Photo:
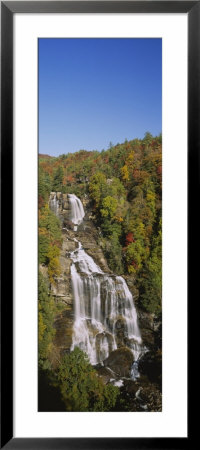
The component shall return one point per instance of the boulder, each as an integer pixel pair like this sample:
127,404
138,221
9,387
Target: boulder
65,205
120,361
105,374
151,366
67,223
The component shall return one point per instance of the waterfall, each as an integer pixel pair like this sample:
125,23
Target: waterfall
54,203
76,209
105,315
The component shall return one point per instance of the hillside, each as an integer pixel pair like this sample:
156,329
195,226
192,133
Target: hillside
124,187
121,190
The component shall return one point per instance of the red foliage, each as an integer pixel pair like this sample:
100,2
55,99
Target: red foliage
133,263
129,238
70,178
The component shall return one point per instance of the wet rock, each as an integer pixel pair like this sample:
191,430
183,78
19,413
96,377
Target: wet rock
151,329
65,203
120,361
67,223
131,387
89,240
146,320
69,245
63,325
105,374
62,289
148,337
65,206
131,282
151,366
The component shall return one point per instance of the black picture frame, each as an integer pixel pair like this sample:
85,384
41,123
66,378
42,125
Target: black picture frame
8,9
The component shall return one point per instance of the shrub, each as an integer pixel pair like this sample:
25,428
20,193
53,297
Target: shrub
81,388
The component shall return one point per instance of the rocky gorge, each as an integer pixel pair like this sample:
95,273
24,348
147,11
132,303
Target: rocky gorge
132,359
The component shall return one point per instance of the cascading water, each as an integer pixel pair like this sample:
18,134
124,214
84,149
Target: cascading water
105,317
103,307
54,203
76,210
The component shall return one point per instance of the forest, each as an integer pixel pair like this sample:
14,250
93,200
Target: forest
123,188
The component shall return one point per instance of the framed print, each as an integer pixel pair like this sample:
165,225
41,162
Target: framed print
99,138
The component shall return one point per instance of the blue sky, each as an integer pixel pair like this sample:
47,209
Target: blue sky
96,91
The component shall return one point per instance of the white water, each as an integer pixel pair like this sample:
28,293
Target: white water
76,209
54,204
102,303
105,315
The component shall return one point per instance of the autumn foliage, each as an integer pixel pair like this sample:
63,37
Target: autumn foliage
124,185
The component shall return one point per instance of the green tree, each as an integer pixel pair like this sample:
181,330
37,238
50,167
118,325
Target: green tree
81,388
46,331
53,263
113,252
44,184
134,256
151,278
109,206
97,187
43,247
58,179
148,137
50,226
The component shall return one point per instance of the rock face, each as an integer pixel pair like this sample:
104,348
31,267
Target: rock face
64,328
62,289
151,328
60,201
62,293
130,280
120,362
89,239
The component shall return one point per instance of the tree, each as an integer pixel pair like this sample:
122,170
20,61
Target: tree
134,256
81,388
58,179
148,137
46,331
53,263
97,187
151,278
113,251
125,173
109,206
43,247
44,185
